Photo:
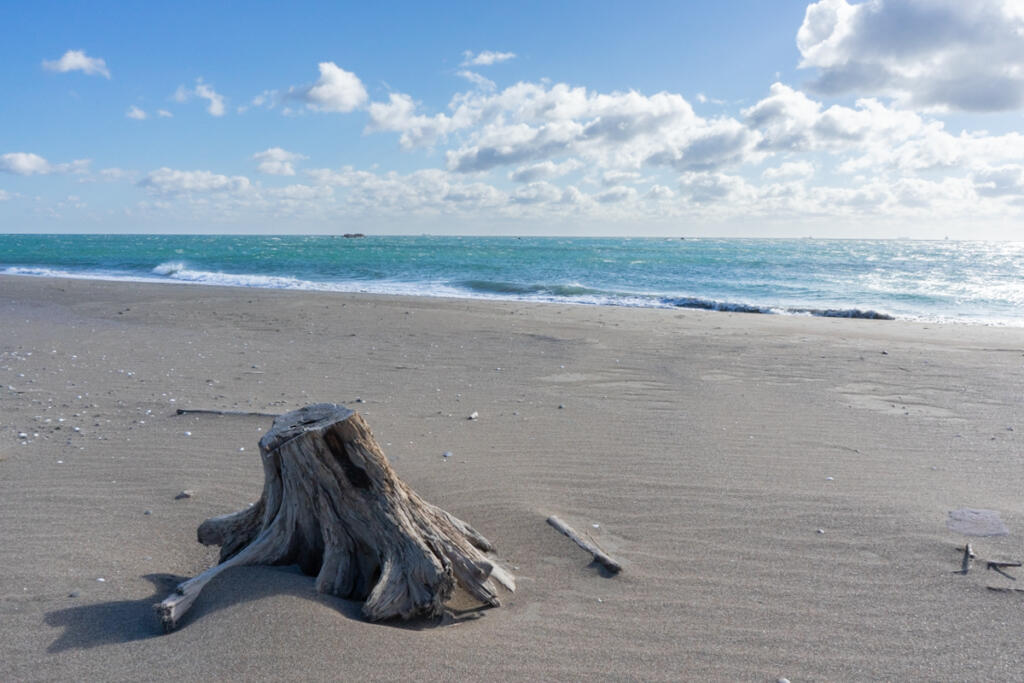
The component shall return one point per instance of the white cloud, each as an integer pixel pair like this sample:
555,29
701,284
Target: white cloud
543,170
659,193
616,194
202,90
933,54
529,122
704,99
77,60
790,121
168,181
135,113
164,114
475,195
999,182
613,178
298,193
336,90
206,91
398,114
718,188
25,163
4,196
486,58
277,161
476,79
537,193
114,174
789,169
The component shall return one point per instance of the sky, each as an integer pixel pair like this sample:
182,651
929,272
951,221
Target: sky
755,118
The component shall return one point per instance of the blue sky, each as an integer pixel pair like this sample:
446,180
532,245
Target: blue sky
833,118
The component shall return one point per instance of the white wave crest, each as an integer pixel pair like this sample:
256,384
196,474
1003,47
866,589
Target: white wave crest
169,268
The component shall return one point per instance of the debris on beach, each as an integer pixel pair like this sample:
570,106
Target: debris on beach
473,416
600,556
187,493
998,566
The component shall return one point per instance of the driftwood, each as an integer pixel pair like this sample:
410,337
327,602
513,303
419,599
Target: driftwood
599,555
965,563
997,565
207,411
332,505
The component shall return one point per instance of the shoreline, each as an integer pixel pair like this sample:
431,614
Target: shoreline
708,448
669,303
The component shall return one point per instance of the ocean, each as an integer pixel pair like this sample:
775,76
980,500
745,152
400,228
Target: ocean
936,281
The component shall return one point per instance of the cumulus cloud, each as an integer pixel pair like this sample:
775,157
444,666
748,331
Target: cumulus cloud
999,182
943,54
537,193
530,122
789,170
135,113
474,195
77,60
276,161
613,178
543,170
789,121
336,90
203,90
659,193
430,191
706,187
4,196
301,193
164,114
486,58
26,163
168,181
399,115
616,194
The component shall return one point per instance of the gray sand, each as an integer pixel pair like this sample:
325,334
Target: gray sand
776,488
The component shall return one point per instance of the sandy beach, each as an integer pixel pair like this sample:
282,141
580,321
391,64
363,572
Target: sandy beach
777,488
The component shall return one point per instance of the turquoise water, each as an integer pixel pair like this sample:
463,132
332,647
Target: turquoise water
973,282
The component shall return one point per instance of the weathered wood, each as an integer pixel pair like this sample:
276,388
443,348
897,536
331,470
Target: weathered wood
993,564
599,555
965,563
208,411
333,505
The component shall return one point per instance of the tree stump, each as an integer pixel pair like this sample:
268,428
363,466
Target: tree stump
332,505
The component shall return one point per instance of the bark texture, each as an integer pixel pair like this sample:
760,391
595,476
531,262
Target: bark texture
333,505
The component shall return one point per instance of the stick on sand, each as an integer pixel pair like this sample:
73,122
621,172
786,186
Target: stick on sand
207,411
599,555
